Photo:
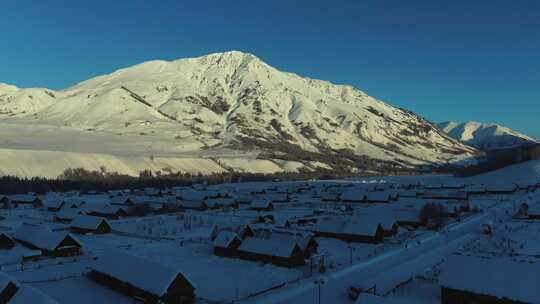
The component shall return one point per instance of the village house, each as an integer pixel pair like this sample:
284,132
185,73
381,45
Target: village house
66,215
227,243
476,189
26,199
305,240
106,210
194,205
53,204
446,195
142,279
274,251
50,243
353,195
469,279
350,230
261,205
379,197
90,224
501,188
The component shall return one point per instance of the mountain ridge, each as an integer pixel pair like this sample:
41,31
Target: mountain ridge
235,101
485,136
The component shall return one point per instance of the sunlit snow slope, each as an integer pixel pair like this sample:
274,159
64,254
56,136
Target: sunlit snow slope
485,136
221,109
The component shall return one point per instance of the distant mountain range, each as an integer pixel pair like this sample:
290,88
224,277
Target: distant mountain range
485,136
221,112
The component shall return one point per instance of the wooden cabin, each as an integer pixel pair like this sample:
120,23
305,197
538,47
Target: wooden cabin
273,251
194,205
350,230
353,195
142,279
227,243
261,205
50,243
26,199
106,210
90,224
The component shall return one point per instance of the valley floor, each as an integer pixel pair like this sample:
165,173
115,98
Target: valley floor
405,266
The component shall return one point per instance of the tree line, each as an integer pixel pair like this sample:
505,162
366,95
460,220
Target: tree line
80,179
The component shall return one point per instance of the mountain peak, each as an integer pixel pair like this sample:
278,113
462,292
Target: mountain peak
485,136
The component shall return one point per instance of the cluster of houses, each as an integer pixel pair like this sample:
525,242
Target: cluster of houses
346,211
276,246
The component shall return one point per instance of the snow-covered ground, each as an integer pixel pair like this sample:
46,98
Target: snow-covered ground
404,267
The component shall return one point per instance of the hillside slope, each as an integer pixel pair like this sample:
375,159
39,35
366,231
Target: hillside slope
220,105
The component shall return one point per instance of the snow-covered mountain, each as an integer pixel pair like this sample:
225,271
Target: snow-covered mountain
485,136
224,108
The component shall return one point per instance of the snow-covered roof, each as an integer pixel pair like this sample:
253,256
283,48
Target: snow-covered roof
261,203
270,247
191,195
42,237
142,273
224,238
353,195
88,222
380,196
68,213
53,201
501,187
353,226
103,208
499,277
22,198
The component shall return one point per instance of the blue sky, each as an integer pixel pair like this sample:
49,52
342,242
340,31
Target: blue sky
446,60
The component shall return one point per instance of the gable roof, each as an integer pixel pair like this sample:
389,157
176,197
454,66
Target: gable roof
498,277
269,247
148,275
88,222
353,195
68,213
42,237
224,238
349,225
